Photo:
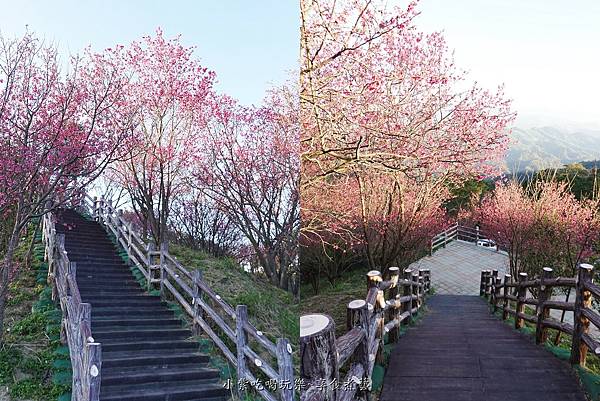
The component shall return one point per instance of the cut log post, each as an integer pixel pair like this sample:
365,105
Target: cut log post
505,303
393,312
357,315
583,300
543,312
286,369
318,354
521,294
407,290
380,319
373,279
241,341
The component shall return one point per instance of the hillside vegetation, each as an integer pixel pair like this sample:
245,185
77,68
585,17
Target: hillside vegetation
546,147
271,310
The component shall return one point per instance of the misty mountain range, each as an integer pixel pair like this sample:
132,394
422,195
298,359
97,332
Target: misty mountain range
538,148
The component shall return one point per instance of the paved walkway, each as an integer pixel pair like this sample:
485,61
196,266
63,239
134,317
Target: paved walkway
459,352
457,268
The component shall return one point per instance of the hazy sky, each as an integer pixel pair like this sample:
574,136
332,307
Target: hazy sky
247,43
546,52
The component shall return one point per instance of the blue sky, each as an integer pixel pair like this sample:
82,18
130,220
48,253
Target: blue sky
249,44
547,53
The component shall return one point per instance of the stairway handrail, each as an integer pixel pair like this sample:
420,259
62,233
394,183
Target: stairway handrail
192,296
455,231
388,305
85,353
510,295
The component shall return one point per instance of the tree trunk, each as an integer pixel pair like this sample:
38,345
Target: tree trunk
7,263
29,258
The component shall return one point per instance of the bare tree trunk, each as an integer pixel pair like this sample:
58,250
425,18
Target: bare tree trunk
5,268
29,257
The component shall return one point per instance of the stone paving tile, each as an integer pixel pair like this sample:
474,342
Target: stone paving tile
456,269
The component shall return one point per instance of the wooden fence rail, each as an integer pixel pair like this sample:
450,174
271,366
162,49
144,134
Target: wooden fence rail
388,304
76,332
513,296
455,232
208,312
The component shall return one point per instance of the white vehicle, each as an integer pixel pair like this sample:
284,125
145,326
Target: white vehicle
487,243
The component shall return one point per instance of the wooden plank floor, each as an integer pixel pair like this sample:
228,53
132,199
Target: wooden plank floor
459,352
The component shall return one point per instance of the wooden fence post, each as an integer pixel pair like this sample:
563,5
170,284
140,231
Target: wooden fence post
406,291
542,312
101,207
241,340
493,286
482,283
196,277
357,315
505,304
521,293
318,354
286,369
93,366
415,290
393,312
150,258
421,286
164,249
129,236
488,285
497,284
373,279
428,280
95,208
583,299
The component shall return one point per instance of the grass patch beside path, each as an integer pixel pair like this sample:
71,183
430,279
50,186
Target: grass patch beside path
332,300
270,309
33,367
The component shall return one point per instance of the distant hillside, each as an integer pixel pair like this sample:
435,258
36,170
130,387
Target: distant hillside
539,148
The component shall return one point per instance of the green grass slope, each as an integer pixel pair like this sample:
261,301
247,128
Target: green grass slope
272,310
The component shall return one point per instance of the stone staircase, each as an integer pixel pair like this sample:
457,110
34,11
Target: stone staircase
147,354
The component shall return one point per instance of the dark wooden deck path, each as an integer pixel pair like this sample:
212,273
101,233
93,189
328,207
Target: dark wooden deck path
459,352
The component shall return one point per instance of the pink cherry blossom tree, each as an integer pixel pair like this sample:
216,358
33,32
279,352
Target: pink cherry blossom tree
172,98
541,224
58,132
377,93
247,163
388,118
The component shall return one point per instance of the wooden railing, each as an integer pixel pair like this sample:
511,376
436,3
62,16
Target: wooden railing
513,297
76,332
388,304
245,347
455,232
